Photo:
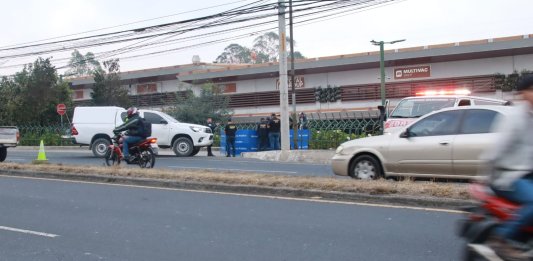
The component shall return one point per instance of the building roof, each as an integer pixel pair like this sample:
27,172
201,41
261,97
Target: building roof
173,71
488,48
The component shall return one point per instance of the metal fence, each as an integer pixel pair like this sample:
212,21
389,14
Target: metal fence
327,130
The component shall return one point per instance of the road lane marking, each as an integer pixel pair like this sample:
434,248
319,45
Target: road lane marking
24,231
452,211
238,170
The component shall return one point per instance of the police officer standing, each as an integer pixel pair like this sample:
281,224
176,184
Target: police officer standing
273,132
231,130
262,132
212,126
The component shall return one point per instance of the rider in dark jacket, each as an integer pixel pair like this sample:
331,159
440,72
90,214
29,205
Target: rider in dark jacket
135,131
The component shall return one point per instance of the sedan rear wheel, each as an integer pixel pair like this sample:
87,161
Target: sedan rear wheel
365,167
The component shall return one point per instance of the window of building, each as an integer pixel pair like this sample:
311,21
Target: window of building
229,87
146,88
78,94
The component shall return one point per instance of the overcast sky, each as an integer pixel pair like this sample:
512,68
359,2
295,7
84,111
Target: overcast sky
421,22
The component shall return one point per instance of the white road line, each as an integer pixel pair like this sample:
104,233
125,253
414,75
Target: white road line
12,229
237,170
452,211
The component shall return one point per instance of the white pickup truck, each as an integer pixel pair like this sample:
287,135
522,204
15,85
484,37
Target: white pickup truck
9,137
94,126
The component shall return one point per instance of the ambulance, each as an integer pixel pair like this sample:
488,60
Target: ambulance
411,108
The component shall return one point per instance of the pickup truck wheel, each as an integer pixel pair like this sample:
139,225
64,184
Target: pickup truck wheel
183,147
100,147
3,154
195,151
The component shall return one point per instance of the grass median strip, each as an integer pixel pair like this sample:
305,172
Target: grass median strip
328,184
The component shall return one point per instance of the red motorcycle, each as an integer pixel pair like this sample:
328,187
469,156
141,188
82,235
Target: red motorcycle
140,153
483,219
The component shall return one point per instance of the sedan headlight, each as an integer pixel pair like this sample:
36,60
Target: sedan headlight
196,129
339,150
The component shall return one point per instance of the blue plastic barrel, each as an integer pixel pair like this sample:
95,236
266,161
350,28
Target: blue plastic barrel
245,141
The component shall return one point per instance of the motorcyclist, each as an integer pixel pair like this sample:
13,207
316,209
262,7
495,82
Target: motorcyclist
135,131
511,161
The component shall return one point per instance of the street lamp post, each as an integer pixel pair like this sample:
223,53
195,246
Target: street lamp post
382,68
382,65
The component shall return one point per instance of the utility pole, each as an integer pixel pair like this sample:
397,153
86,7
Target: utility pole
283,80
382,69
293,82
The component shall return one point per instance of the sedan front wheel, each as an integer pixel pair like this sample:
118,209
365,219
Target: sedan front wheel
365,167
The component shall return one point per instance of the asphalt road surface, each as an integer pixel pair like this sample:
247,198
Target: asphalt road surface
168,161
59,220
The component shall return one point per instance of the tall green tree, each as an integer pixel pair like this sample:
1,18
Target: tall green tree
107,89
265,49
235,53
32,95
82,65
214,104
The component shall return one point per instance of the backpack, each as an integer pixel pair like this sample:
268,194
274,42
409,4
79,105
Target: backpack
146,128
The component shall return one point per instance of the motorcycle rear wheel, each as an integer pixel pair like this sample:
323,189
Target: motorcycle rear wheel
147,159
111,158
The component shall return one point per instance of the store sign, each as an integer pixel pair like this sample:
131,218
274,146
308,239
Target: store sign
299,82
412,72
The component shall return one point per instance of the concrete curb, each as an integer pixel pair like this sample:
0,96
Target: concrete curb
301,156
423,202
51,148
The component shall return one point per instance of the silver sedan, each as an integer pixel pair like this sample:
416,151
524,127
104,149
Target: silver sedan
444,144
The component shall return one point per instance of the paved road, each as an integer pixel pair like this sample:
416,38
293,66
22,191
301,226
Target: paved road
168,161
106,222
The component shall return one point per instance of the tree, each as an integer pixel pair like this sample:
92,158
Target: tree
214,104
32,95
107,89
265,49
81,65
235,53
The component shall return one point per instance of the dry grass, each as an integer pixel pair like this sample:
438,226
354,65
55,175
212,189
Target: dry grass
378,187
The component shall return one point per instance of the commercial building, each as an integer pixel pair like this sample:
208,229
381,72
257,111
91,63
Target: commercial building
253,88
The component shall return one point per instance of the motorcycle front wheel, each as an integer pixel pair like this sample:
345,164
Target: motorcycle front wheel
111,158
147,159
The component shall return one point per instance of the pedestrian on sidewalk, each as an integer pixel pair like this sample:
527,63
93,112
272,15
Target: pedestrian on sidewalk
231,131
212,126
262,133
273,132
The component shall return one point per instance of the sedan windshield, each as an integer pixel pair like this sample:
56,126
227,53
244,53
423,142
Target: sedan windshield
414,108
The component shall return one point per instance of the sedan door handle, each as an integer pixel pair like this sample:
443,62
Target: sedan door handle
444,143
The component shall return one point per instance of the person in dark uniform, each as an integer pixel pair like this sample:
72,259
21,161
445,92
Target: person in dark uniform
273,132
212,126
262,132
231,130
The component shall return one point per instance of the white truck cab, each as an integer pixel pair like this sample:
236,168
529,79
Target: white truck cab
411,108
93,126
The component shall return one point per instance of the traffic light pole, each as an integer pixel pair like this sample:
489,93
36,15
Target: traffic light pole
283,79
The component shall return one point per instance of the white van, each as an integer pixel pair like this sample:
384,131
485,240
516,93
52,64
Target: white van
411,108
93,126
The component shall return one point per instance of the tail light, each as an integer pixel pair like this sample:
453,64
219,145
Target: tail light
152,140
73,131
18,136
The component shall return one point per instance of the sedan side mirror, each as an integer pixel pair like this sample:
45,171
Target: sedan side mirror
405,134
164,122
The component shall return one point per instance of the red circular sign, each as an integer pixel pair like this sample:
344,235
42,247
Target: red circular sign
61,109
